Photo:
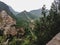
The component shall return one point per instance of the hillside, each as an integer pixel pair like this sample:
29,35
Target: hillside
13,11
5,7
38,12
25,16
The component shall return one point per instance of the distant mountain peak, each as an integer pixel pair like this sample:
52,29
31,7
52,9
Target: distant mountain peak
38,12
24,11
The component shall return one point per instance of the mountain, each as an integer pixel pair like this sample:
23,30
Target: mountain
13,11
34,14
5,7
20,17
38,12
25,16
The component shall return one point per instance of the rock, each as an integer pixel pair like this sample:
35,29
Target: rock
55,40
6,23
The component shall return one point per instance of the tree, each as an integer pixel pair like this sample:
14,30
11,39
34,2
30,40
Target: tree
44,10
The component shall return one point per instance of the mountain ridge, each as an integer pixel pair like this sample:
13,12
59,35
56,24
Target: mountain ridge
5,7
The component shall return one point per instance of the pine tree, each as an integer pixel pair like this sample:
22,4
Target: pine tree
54,18
44,11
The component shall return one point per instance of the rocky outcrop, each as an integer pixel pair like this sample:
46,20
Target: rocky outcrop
55,40
7,26
7,23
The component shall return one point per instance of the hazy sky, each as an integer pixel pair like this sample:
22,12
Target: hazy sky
20,5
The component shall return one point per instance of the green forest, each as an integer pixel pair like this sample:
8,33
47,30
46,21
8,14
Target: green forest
33,30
